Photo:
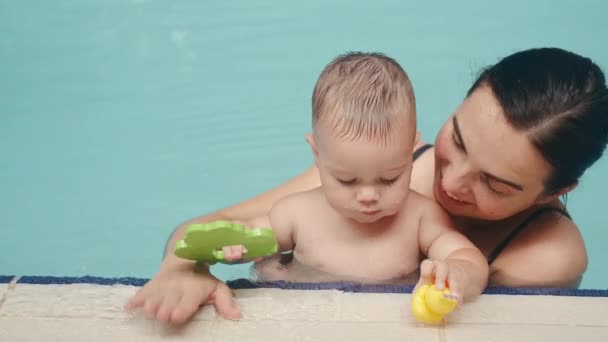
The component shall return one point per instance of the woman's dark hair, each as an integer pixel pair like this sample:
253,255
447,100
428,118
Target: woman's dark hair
560,100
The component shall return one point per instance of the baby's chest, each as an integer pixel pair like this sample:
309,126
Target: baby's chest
376,258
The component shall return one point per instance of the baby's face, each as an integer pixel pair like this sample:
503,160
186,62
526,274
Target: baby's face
362,179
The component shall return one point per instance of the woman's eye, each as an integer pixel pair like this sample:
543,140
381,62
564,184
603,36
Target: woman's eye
457,141
493,189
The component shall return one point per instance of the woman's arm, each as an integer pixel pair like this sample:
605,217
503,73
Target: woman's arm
550,252
180,287
252,208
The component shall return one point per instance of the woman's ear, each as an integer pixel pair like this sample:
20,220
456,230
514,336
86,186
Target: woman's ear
548,198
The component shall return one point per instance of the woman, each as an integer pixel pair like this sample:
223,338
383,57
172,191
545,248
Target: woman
524,135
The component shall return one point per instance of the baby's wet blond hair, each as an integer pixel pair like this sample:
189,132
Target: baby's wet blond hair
363,95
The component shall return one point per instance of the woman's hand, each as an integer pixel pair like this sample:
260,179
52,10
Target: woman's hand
175,294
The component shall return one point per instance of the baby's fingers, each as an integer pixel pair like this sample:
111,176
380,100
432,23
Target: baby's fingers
455,287
441,274
232,253
426,272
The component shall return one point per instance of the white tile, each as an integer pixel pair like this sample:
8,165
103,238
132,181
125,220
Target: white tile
275,304
310,331
57,311
370,307
98,330
61,329
4,290
107,302
510,309
79,300
525,333
307,305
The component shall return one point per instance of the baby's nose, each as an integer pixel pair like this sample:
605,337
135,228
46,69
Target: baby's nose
368,196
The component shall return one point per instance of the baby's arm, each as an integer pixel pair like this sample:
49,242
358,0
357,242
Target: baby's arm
281,219
452,256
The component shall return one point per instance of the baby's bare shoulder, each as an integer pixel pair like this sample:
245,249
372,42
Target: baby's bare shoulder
425,209
420,204
299,201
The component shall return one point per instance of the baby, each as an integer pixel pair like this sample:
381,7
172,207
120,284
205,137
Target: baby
364,223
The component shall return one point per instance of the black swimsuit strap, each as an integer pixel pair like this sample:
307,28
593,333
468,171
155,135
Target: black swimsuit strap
420,151
501,247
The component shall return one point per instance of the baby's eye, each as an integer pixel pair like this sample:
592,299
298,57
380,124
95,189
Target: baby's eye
347,181
388,181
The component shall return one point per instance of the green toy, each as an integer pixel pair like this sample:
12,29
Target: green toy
204,241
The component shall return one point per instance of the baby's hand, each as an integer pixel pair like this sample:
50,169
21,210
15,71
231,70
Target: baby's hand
442,275
238,252
233,253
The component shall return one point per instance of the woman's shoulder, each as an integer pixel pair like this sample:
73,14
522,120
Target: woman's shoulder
549,251
423,171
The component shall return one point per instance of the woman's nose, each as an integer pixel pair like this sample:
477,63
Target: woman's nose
457,182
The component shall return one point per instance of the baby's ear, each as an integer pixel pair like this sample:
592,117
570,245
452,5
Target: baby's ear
416,139
313,145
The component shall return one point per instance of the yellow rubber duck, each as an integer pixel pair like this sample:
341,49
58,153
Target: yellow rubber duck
430,305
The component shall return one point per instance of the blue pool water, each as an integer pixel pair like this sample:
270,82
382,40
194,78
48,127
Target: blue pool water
121,118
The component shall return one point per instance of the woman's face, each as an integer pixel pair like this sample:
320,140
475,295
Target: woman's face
484,168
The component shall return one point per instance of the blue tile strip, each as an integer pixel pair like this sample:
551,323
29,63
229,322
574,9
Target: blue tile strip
48,280
6,279
346,287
